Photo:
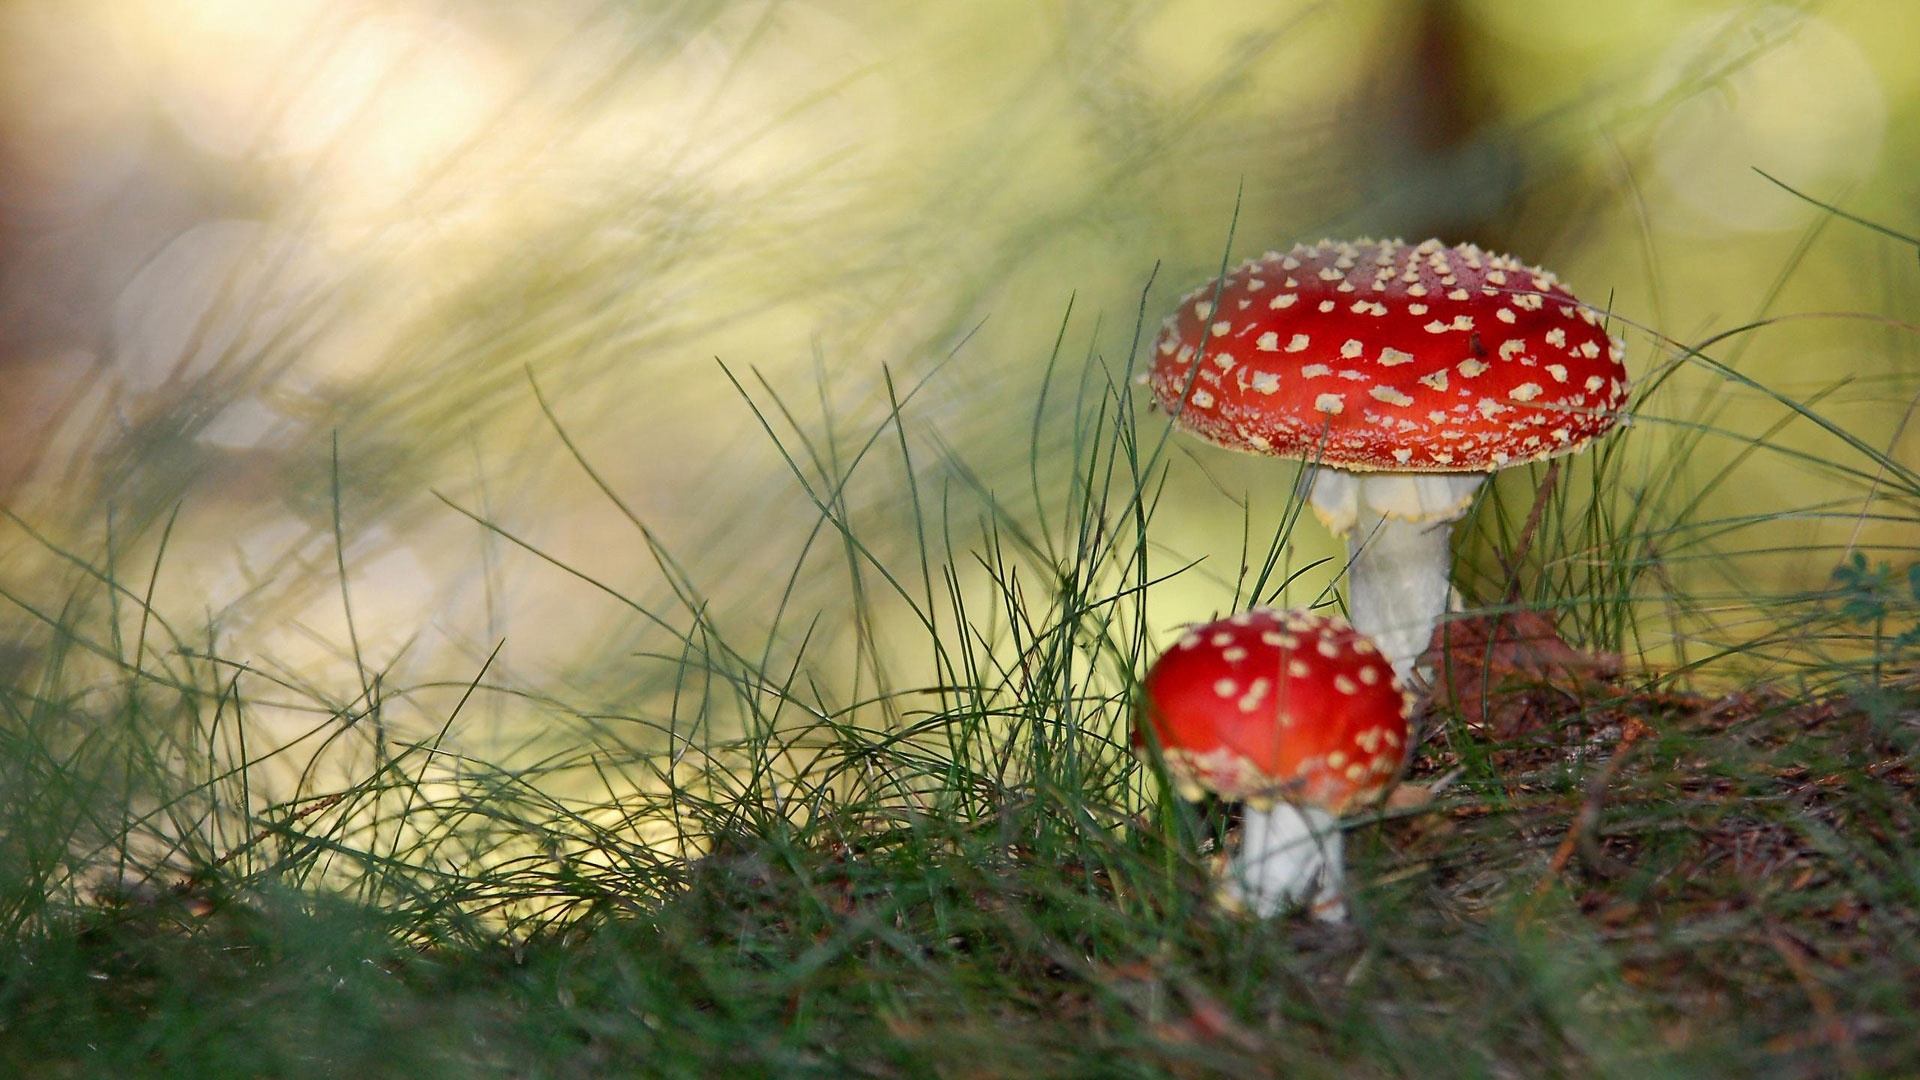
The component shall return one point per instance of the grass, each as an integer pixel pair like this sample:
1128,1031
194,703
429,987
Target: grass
800,862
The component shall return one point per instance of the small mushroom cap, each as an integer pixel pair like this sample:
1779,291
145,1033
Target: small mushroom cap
1269,705
1381,355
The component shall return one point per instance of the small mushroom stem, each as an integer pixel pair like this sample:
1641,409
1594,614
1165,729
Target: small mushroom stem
1290,856
1397,527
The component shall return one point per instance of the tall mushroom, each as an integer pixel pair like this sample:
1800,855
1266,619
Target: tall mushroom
1405,374
1298,715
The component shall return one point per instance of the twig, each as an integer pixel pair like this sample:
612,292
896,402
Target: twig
1795,956
259,837
1528,529
1582,833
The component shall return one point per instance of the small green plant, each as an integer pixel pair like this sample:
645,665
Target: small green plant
1885,604
1868,595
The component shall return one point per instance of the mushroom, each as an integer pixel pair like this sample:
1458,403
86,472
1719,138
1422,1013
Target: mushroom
1406,374
1297,715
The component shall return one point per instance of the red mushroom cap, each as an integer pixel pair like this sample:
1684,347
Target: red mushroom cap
1383,355
1277,705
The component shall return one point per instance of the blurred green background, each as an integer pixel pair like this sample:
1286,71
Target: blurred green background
236,231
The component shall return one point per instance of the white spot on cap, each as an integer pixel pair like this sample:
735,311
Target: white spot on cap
1490,408
1404,455
1233,654
1330,404
1201,399
1389,395
1390,356
1168,345
1557,337
1470,368
1268,342
1254,284
1226,688
1351,348
1438,417
1558,371
1458,294
1265,382
1594,382
1225,360
1282,300
1298,344
1315,371
1436,327
1298,668
1463,322
1589,349
1345,685
1506,315
1369,675
1203,309
1220,328
1328,305
1328,273
1256,691
1416,309
1526,391
1512,347
1435,379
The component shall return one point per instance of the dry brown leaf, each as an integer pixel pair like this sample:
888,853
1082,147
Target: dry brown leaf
1512,672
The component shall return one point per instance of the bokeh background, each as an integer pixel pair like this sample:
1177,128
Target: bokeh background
243,240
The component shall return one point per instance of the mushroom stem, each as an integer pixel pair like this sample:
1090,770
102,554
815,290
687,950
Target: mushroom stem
1397,527
1397,586
1290,856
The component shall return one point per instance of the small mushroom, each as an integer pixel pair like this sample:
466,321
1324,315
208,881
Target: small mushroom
1297,715
1406,374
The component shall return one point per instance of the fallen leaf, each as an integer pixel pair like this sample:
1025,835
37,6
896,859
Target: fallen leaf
1512,672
